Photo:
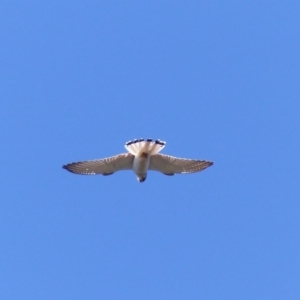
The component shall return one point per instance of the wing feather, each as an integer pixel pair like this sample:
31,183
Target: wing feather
105,166
170,165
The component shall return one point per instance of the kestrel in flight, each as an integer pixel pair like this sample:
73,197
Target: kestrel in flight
142,156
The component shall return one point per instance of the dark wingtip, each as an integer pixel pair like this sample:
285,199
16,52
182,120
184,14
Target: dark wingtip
66,167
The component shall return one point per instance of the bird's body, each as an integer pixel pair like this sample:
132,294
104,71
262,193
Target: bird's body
140,166
142,156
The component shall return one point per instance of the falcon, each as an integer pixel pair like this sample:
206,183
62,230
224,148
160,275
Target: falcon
143,155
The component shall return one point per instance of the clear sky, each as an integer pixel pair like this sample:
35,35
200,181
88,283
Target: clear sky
216,80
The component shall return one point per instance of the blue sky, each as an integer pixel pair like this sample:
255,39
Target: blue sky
218,81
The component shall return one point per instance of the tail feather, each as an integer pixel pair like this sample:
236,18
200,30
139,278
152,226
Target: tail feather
149,146
137,144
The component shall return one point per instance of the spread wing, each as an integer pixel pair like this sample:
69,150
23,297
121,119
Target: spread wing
170,165
105,166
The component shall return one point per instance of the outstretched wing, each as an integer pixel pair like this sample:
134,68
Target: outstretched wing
170,165
105,166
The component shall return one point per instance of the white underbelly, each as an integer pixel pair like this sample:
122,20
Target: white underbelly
141,165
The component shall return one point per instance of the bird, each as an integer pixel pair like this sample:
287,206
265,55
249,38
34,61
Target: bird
142,156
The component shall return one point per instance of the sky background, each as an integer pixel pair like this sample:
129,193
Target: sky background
217,80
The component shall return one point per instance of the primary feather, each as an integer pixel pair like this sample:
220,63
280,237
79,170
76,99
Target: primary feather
171,165
105,166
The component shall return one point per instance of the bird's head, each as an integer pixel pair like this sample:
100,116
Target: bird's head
142,179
